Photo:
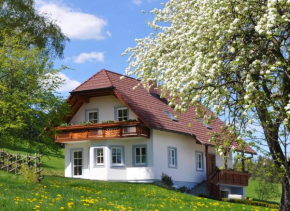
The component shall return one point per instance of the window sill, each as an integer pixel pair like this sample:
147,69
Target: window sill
118,166
200,170
172,167
99,166
140,165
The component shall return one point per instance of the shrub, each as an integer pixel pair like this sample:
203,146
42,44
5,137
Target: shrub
252,202
266,190
29,174
167,180
183,189
255,203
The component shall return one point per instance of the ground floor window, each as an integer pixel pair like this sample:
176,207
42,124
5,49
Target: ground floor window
117,155
99,156
140,155
77,162
172,157
199,161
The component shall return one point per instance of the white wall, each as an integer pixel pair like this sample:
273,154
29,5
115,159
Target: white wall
106,107
157,159
107,172
186,161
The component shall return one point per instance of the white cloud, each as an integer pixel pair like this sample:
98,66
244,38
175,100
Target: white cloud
137,2
74,23
91,57
109,33
69,84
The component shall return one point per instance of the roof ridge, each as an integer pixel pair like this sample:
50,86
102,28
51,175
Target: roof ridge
93,77
121,75
108,76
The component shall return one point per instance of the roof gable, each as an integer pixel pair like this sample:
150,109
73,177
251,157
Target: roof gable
98,81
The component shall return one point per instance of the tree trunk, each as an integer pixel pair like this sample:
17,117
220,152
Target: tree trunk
285,198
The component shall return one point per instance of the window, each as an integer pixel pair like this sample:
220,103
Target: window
92,116
99,156
77,161
122,114
199,161
140,155
205,124
117,155
171,116
172,157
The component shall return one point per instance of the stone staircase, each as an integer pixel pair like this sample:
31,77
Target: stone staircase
200,189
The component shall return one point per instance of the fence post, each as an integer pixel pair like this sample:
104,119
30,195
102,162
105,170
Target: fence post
35,163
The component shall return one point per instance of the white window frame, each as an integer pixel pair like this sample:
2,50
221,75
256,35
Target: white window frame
96,156
117,113
135,147
172,160
88,115
122,155
199,160
72,162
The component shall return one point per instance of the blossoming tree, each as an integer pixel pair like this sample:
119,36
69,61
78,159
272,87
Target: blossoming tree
230,56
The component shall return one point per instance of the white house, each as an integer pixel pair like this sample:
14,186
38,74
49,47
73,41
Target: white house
119,134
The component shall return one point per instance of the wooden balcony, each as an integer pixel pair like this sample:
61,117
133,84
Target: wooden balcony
230,177
101,131
226,177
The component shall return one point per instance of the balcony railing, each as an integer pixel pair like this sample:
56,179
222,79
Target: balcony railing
226,177
101,131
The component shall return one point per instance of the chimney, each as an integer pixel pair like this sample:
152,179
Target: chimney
151,87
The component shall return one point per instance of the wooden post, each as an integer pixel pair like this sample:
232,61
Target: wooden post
226,160
121,130
35,163
243,162
104,132
138,129
206,166
16,162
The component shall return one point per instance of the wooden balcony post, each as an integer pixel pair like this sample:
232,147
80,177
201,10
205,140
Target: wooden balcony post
243,162
138,129
206,166
121,131
104,132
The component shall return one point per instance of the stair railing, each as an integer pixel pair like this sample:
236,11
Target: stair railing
214,188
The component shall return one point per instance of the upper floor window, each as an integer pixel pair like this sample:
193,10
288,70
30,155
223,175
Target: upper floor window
122,113
92,116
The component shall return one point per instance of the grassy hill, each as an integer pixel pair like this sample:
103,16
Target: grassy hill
59,193
250,191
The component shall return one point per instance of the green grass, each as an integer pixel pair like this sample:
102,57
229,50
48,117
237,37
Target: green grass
250,191
57,193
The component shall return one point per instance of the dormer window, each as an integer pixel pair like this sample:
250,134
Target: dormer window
171,116
205,124
121,114
92,116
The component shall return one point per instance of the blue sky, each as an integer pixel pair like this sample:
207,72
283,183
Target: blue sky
99,32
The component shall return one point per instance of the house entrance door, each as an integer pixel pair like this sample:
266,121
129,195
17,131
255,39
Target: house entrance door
211,163
77,163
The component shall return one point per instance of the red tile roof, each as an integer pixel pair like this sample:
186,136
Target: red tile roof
151,109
